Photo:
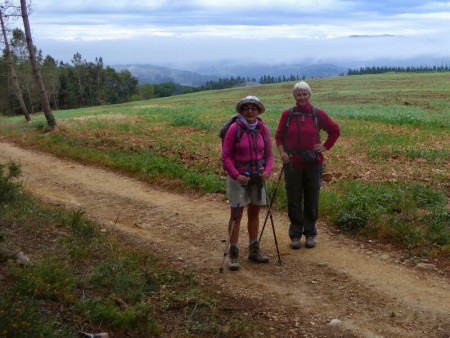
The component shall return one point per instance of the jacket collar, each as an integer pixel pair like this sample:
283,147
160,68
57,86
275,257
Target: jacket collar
307,108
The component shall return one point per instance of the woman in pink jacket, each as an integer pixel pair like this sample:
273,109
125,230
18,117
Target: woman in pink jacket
247,158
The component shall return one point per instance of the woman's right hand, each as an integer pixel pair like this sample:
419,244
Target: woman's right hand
285,157
243,180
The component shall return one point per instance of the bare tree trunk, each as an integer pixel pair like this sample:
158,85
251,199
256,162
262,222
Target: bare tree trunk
30,97
12,68
34,65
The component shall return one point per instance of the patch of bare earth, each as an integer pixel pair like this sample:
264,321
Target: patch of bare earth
363,290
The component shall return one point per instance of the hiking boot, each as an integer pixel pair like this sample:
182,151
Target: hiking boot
295,243
310,242
255,254
233,264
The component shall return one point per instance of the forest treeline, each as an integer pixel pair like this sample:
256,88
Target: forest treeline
237,81
69,85
385,69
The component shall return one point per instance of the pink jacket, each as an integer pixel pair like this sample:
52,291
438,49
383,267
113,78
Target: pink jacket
309,134
246,155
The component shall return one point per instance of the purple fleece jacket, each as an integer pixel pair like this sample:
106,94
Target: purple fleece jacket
244,150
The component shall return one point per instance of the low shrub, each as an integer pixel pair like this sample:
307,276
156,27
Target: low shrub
411,214
8,188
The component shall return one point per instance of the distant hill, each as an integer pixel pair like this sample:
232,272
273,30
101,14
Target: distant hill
157,74
201,73
257,70
197,74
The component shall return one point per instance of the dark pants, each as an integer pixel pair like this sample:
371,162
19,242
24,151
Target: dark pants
302,189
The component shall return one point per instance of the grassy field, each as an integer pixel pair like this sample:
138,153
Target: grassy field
387,176
83,279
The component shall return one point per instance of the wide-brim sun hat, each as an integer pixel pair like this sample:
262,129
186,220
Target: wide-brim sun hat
250,100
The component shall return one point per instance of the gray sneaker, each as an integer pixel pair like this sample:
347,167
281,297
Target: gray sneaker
255,254
310,242
295,243
233,264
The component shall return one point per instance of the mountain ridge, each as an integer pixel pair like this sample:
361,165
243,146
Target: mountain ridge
197,74
200,74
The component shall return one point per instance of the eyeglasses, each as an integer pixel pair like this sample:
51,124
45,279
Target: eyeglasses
247,108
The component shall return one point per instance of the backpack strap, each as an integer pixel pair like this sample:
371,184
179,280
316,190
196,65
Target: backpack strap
291,114
233,119
262,128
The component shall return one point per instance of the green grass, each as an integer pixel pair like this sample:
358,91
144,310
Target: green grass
393,115
413,215
392,132
81,278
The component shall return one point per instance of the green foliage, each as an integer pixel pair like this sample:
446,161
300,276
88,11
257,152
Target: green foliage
394,115
8,189
397,69
22,317
393,209
437,228
158,165
118,287
79,84
121,275
191,121
427,197
137,318
203,182
81,226
362,202
146,91
48,279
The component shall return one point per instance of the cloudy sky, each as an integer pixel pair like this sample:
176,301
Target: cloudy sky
177,32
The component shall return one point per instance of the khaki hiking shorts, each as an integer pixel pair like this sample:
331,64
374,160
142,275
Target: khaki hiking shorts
244,195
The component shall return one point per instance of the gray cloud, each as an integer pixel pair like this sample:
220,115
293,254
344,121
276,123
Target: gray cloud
131,31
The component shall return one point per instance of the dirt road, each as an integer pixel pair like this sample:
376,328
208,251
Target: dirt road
368,291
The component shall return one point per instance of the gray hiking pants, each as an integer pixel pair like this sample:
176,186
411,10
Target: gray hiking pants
303,189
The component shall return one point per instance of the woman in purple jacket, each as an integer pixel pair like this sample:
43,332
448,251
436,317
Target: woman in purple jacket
298,141
247,158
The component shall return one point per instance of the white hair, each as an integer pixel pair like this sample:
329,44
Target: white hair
302,85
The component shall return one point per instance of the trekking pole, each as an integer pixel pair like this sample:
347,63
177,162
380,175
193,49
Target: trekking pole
269,212
270,202
229,238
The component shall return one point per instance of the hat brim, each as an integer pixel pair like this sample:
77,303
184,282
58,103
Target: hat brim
260,106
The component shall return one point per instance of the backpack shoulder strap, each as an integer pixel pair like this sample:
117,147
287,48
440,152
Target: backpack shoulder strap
315,117
288,122
263,128
289,118
238,132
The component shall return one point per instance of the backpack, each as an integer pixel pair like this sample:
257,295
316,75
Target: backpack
231,120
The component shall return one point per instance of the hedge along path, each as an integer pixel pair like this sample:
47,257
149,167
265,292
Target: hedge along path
366,290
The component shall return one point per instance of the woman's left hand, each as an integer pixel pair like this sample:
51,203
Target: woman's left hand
319,148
